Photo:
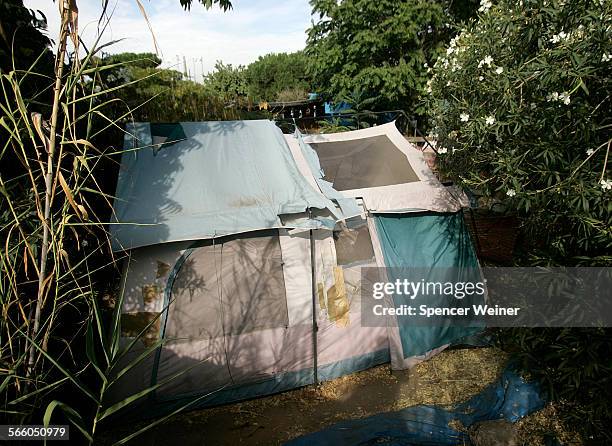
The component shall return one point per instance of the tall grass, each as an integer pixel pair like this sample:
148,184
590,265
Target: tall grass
60,350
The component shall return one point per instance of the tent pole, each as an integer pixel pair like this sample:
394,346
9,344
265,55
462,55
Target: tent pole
315,327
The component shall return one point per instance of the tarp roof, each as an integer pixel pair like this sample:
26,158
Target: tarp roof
377,165
208,179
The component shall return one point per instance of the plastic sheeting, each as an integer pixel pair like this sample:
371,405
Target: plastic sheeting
383,188
510,398
222,178
435,248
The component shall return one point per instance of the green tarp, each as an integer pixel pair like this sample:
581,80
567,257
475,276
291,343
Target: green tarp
434,248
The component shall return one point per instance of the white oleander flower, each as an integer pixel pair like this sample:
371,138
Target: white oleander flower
485,5
442,150
488,60
499,70
480,78
606,58
565,97
490,120
590,152
511,192
464,117
606,184
554,96
556,38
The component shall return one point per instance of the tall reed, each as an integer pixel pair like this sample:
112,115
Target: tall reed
59,345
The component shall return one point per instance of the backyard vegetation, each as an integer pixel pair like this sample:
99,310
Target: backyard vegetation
517,96
520,106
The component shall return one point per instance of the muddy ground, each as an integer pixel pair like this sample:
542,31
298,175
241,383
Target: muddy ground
450,377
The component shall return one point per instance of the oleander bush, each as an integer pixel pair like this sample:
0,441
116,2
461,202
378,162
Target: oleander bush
575,370
521,107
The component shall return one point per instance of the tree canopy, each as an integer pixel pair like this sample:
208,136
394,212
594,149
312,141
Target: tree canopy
223,4
278,74
226,81
379,49
24,44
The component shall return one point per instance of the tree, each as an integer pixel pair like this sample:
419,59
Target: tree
226,81
24,46
223,4
134,60
380,49
21,37
272,74
143,91
521,109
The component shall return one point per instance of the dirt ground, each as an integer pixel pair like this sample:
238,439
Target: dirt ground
450,377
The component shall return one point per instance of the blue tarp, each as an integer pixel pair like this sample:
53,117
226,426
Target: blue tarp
336,108
510,398
220,178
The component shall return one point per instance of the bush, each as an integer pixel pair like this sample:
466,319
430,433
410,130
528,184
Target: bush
142,91
520,105
574,368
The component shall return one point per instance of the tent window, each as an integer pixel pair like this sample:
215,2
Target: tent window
164,135
363,163
254,287
353,243
233,287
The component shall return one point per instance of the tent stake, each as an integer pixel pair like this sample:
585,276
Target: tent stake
315,327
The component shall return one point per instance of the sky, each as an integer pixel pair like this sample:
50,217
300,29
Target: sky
239,36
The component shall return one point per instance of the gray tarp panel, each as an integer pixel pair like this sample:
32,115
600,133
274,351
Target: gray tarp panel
369,162
225,296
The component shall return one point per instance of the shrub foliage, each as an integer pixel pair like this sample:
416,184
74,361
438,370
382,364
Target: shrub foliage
520,104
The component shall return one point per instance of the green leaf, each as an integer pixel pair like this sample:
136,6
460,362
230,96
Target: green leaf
72,415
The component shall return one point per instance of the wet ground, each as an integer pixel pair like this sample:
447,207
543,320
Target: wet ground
451,377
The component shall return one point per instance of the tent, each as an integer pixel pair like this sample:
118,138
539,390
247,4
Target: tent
246,251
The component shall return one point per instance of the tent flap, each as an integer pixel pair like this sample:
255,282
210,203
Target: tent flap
433,248
221,178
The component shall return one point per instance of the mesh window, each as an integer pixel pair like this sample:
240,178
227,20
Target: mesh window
231,288
369,162
353,243
253,285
